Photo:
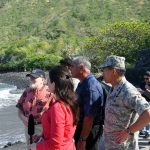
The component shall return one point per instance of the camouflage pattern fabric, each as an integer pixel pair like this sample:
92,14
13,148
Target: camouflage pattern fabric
114,61
123,105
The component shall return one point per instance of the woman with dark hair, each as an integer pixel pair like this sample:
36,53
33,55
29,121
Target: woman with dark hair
59,121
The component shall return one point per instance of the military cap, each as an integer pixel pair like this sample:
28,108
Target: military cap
114,61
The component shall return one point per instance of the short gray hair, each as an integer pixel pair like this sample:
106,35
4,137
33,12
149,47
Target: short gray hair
82,60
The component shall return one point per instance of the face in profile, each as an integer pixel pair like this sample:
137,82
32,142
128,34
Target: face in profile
146,79
107,74
36,82
76,71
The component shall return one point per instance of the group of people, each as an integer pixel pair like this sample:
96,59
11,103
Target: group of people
68,108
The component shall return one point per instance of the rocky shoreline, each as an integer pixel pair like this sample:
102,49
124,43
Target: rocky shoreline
14,146
18,79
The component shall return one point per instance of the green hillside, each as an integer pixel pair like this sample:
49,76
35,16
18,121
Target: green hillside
60,27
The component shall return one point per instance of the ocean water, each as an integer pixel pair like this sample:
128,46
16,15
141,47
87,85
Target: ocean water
11,128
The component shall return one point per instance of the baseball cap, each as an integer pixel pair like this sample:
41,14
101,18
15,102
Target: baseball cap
36,73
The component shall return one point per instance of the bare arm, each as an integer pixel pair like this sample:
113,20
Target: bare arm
87,126
141,122
22,117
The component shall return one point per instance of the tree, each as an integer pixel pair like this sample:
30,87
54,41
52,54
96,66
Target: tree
121,38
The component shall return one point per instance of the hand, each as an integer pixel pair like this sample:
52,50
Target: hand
121,136
81,145
37,138
32,146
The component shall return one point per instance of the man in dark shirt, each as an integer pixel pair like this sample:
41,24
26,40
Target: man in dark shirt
145,91
90,99
145,86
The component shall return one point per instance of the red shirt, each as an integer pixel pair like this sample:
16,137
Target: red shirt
58,128
35,102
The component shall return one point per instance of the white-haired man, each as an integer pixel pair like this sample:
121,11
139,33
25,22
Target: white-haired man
35,100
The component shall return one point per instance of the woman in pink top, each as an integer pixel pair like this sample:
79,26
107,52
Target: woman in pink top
59,121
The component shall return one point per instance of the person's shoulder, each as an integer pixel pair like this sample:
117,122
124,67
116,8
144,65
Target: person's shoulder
92,79
130,87
58,103
60,106
90,82
130,90
93,84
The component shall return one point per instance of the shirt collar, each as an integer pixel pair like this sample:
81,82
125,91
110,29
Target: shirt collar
120,83
118,87
89,76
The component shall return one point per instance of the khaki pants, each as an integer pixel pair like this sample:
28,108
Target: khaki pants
38,131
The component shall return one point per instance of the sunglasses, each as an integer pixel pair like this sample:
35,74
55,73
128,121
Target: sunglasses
146,78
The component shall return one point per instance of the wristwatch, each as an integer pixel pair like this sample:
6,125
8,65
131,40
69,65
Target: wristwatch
129,131
82,139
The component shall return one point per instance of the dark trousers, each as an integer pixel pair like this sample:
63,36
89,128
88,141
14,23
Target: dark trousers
92,142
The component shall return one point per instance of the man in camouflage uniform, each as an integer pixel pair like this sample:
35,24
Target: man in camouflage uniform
123,106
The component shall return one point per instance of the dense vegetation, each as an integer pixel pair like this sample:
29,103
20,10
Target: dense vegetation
123,38
38,33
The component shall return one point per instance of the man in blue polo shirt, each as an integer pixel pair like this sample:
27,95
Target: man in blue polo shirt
90,99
